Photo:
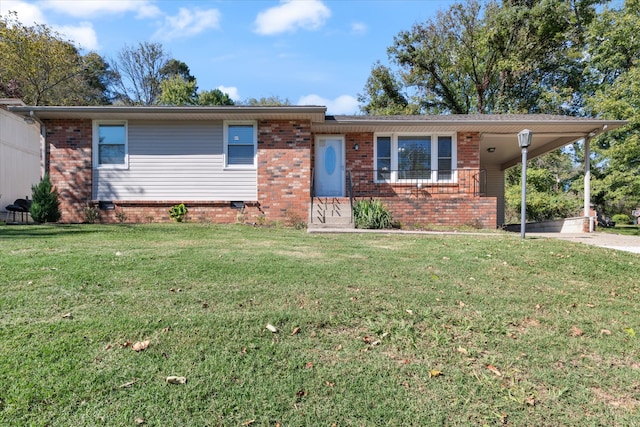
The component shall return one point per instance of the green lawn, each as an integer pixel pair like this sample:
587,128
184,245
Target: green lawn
629,230
373,329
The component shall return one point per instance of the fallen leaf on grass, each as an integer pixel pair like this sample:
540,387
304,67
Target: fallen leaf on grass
576,332
128,384
139,421
176,380
494,370
435,373
309,365
67,316
272,328
330,384
301,393
295,330
462,350
140,345
631,332
605,332
248,423
530,400
410,312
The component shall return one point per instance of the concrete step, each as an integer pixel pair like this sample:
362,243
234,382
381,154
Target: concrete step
331,213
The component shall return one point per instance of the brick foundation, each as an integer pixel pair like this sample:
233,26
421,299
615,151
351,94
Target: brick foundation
146,212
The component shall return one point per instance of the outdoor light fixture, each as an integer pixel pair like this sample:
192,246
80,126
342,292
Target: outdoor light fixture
524,141
356,147
491,149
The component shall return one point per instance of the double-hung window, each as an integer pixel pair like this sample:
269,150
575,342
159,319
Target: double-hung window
240,141
410,157
110,145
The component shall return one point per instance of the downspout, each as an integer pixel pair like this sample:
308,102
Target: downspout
31,119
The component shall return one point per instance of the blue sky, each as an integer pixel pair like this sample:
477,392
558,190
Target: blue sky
311,52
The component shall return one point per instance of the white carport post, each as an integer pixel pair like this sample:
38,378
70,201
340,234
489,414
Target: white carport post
587,181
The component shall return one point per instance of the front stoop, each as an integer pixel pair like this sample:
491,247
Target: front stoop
331,212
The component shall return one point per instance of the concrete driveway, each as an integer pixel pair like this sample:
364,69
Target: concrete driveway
604,240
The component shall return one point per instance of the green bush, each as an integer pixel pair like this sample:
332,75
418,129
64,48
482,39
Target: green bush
178,212
622,219
371,214
45,206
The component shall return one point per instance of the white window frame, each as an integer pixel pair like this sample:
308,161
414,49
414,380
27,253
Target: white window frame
225,138
393,177
96,145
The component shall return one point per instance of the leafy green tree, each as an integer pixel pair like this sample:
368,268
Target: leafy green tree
614,49
45,206
175,90
214,97
518,56
383,94
173,67
270,101
42,68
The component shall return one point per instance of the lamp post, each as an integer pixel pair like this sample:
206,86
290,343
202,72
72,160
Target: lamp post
524,141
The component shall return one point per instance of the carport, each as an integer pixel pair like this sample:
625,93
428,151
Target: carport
499,148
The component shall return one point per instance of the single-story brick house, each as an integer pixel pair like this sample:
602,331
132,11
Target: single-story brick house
233,163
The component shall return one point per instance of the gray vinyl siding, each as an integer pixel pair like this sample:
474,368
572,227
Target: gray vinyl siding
175,161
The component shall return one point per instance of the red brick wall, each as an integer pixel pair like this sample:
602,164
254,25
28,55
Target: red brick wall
284,169
69,164
448,211
215,212
452,205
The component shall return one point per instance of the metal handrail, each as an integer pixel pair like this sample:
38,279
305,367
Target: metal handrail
350,187
313,193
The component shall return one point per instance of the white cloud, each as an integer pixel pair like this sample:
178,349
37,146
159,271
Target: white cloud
28,13
344,104
232,91
358,28
291,15
83,35
97,8
188,23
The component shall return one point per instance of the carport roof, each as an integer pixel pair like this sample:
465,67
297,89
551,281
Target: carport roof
497,131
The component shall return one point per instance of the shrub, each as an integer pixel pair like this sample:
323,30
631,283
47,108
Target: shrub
45,206
91,214
371,214
621,219
178,212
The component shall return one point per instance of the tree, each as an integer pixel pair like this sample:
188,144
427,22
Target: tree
383,94
173,67
45,206
614,49
175,90
520,56
42,68
138,73
214,97
271,101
